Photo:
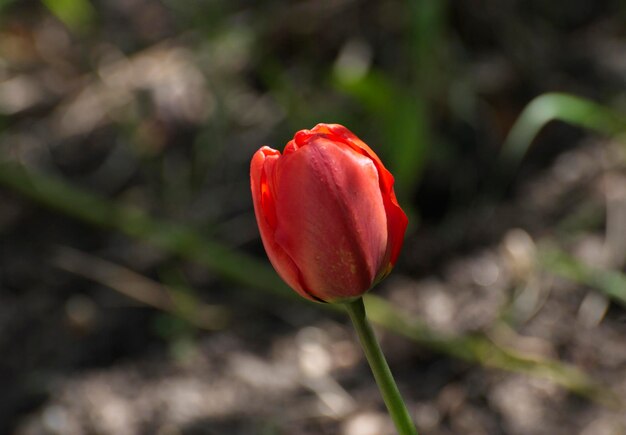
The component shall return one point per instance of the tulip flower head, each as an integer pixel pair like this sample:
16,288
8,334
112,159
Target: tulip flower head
327,213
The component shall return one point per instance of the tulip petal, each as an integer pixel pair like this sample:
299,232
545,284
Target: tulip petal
331,219
265,210
397,220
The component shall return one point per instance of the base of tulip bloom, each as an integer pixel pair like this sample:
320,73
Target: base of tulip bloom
376,359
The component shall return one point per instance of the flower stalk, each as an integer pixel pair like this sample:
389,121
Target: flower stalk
386,384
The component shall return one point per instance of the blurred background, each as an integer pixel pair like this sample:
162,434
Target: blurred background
135,296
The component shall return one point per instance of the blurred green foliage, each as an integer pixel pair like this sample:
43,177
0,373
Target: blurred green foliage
563,107
78,15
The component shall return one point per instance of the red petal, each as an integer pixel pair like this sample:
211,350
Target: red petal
264,202
331,217
397,220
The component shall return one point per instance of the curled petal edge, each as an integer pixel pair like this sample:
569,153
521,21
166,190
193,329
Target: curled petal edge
264,161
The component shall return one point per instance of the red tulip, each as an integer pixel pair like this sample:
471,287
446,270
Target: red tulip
327,213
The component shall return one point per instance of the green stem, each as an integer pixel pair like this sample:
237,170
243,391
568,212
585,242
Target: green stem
378,364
